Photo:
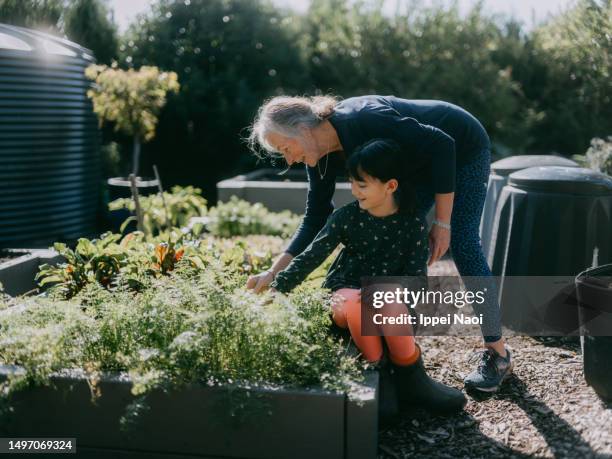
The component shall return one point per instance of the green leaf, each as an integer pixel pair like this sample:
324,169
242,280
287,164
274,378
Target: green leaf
85,248
127,222
51,279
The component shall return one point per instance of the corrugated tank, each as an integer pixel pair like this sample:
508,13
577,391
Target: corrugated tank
49,140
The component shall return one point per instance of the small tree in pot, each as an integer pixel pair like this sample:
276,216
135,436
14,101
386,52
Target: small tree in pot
131,99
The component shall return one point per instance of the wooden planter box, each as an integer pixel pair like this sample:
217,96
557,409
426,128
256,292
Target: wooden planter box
277,193
197,421
17,274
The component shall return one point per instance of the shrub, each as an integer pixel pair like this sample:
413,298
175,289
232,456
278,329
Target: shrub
181,205
133,261
599,156
187,210
574,52
229,55
192,326
422,53
241,218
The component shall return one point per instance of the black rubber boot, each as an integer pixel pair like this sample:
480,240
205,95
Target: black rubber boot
388,404
416,389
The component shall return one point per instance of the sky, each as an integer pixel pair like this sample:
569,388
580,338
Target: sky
528,11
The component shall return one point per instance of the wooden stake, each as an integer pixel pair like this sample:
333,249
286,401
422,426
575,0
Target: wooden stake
161,193
139,216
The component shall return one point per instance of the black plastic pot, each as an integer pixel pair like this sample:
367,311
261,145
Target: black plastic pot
120,187
594,289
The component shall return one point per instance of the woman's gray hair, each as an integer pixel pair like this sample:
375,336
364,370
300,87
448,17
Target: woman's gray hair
285,115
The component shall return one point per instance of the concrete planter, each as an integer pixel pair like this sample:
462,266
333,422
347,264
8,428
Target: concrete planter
197,421
277,193
17,274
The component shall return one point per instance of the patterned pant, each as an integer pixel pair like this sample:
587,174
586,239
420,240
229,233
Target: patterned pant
470,193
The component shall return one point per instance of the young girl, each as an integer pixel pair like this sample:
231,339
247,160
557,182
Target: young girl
381,237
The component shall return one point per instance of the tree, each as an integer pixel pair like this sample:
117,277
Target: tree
131,100
37,14
424,53
87,23
576,50
230,55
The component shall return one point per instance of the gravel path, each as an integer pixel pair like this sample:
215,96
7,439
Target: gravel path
545,410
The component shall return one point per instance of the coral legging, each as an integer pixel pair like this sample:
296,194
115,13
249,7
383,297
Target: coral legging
346,313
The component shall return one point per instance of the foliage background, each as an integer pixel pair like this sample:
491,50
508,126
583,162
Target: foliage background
543,91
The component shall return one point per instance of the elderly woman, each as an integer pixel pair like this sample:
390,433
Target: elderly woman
447,154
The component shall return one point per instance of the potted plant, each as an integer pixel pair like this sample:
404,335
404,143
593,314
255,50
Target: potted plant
131,100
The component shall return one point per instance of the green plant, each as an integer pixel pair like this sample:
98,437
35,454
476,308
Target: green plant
132,261
191,326
88,23
241,218
599,155
131,100
41,14
90,261
111,159
573,53
182,204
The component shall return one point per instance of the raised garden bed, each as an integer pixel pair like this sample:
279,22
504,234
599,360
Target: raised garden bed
277,192
200,421
176,324
18,272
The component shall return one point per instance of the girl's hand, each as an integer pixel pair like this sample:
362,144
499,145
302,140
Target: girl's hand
259,282
439,240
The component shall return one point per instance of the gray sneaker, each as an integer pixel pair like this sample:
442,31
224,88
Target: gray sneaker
492,370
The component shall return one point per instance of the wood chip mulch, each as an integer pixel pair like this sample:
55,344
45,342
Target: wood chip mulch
545,409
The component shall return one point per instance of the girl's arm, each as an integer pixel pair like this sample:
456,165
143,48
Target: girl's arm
301,266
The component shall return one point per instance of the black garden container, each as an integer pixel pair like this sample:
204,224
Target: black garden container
594,290
552,222
120,187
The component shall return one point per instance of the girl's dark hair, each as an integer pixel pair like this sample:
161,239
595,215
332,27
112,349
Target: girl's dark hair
383,160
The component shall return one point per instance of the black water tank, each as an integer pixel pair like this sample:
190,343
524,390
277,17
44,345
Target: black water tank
49,140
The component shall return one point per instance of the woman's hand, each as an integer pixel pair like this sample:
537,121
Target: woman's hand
439,240
259,282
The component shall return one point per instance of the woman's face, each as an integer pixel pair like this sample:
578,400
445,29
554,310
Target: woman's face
371,192
302,149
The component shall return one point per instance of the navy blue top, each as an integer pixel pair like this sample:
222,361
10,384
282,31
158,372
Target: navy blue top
437,137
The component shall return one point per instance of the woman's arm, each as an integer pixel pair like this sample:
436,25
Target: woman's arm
439,236
261,281
318,207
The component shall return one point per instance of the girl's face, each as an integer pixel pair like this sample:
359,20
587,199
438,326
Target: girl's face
373,193
302,149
